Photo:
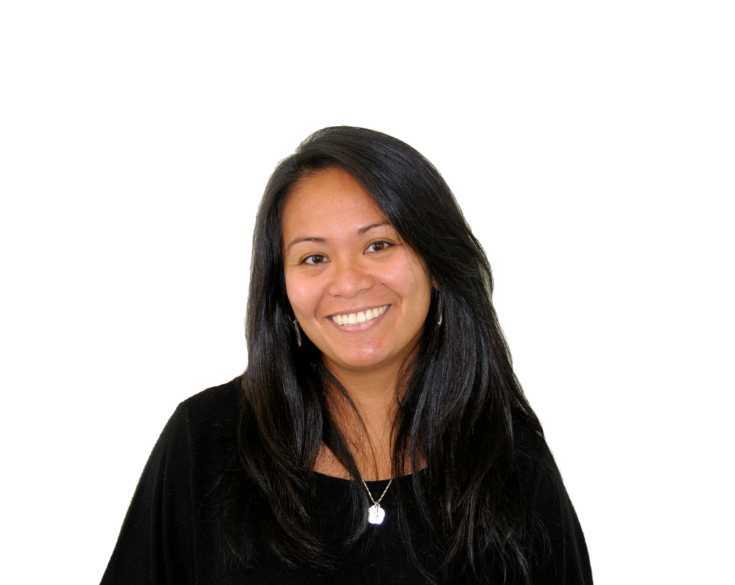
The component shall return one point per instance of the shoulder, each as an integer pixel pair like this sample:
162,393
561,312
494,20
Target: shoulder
540,479
212,417
531,452
216,407
159,533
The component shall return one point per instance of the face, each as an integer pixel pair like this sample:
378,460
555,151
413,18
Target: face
350,263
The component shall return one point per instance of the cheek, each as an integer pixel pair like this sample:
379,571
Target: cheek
406,276
299,294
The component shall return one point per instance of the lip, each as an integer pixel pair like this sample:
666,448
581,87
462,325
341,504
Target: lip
358,327
365,308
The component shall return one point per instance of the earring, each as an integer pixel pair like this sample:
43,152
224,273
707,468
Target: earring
439,309
298,333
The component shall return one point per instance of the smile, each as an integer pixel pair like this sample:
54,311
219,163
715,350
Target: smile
359,321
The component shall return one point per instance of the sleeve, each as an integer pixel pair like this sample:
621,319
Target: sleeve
156,542
560,556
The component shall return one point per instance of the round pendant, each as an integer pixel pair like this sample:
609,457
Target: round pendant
376,514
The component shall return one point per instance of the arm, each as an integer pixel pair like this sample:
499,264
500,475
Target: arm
560,554
156,541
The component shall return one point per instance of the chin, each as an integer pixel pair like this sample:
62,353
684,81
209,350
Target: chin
361,361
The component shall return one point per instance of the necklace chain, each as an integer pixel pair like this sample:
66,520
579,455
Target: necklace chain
376,502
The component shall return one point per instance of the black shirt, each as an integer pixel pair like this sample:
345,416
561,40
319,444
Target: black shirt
168,537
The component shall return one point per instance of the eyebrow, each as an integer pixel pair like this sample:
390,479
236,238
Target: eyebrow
360,231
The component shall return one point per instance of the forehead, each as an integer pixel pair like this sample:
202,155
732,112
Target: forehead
328,201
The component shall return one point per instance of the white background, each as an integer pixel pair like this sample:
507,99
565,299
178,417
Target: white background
590,145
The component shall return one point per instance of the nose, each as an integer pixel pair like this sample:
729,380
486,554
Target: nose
349,279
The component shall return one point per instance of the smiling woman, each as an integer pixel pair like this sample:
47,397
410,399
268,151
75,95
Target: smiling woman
379,433
363,308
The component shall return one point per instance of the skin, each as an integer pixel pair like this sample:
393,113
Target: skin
349,271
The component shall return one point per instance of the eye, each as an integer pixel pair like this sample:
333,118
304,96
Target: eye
304,261
388,244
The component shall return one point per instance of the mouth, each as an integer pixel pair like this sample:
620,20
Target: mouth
375,316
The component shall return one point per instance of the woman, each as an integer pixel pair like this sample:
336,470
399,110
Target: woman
379,433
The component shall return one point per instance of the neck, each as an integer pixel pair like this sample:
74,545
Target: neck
375,395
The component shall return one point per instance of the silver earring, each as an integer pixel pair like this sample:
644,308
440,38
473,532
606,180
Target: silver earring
298,333
439,309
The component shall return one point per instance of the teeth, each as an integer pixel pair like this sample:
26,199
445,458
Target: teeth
361,317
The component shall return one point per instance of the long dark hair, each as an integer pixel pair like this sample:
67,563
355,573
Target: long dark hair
462,399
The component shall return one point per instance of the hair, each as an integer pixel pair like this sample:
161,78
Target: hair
461,403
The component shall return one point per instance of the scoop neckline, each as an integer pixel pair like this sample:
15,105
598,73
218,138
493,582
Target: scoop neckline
342,480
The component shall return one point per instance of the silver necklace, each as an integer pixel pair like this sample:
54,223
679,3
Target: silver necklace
376,514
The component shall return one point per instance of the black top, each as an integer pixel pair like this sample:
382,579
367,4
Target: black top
167,536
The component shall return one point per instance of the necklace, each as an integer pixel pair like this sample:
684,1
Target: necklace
376,514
